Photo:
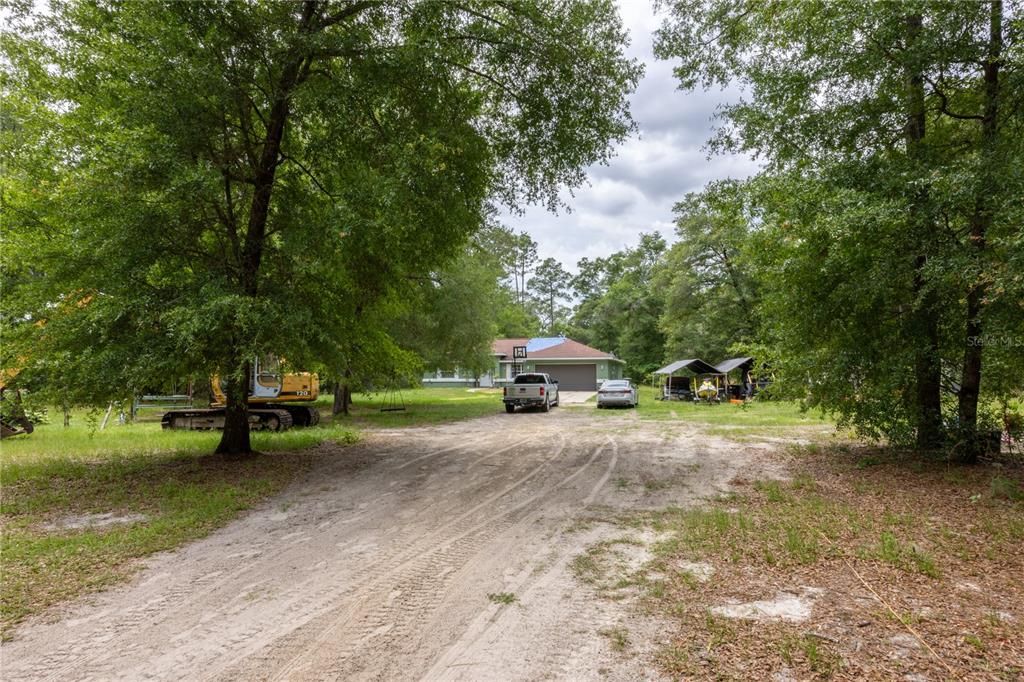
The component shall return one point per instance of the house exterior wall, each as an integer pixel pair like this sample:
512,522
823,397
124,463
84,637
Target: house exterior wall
500,373
606,369
449,383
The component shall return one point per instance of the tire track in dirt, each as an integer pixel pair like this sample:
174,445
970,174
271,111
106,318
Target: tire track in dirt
419,574
462,447
92,653
526,581
378,563
305,600
454,553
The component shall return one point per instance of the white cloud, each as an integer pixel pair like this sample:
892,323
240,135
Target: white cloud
651,171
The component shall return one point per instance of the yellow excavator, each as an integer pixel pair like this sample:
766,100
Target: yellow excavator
273,395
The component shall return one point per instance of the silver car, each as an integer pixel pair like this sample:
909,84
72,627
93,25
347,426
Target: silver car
617,393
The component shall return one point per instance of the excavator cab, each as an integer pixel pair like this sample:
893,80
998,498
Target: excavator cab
266,379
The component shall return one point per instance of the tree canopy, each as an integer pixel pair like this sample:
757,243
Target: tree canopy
190,184
891,136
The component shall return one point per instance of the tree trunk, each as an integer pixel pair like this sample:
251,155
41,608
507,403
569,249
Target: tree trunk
339,399
927,369
971,443
342,394
234,440
924,323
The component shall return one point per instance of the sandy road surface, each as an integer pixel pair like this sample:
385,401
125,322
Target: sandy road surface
379,563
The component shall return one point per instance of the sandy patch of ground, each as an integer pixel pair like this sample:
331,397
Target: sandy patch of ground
94,521
380,562
788,606
574,397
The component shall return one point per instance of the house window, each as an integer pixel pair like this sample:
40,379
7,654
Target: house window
447,374
517,369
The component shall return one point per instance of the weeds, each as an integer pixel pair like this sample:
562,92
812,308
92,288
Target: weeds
617,637
772,490
502,598
720,630
1001,488
819,658
884,514
905,557
975,642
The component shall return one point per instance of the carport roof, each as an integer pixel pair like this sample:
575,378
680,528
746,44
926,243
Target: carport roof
694,365
732,363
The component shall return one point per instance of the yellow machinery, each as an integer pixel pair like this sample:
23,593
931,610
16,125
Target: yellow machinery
272,395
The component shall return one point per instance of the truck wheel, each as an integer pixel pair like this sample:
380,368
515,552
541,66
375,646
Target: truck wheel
546,407
510,408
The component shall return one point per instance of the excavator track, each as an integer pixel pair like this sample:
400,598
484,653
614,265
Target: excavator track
301,414
260,419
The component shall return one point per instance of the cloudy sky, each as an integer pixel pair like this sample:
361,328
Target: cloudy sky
650,172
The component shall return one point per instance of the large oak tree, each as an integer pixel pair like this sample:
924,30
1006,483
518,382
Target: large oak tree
192,184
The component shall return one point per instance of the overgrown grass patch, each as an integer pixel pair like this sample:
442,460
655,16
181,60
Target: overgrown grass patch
938,544
79,506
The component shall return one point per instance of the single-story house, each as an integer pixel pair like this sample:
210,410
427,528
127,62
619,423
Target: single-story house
576,366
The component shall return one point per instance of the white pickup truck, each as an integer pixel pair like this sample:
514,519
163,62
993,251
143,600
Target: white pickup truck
536,390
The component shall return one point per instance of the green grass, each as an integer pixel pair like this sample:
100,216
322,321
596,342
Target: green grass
166,480
618,637
727,419
422,406
502,598
789,524
52,450
819,658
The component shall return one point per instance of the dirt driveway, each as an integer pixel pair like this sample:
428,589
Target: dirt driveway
427,553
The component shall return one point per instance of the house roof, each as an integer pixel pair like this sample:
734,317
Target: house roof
693,365
550,348
729,365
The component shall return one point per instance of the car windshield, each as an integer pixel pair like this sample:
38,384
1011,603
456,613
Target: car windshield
616,384
530,379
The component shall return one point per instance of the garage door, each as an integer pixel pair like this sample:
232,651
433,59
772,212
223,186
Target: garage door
572,377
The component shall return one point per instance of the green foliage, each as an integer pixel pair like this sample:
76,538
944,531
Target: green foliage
550,285
620,306
711,293
887,220
191,184
1005,489
451,317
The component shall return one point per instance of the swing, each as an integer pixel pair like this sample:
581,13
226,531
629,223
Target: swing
393,400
